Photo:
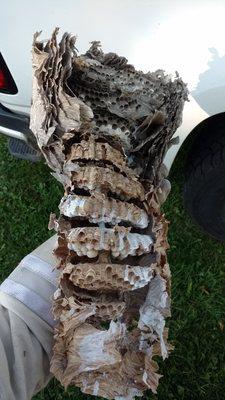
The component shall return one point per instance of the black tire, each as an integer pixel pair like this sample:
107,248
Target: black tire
204,188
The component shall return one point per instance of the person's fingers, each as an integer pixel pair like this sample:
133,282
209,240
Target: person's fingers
163,190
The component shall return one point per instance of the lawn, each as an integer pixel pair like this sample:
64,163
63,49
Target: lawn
196,368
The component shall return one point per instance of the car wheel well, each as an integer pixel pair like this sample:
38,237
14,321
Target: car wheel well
204,183
201,137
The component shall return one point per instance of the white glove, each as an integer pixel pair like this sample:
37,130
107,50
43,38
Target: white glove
26,329
33,281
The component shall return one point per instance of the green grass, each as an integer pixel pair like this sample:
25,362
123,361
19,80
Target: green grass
196,368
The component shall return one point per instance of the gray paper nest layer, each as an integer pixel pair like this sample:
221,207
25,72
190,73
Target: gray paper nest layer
104,128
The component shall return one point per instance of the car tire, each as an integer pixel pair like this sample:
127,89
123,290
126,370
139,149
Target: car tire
204,187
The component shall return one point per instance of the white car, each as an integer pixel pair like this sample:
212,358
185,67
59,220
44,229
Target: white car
173,35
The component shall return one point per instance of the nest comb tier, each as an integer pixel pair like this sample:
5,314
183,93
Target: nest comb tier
104,129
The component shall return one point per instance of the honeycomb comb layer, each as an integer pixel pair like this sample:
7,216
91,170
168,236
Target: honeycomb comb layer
106,276
106,210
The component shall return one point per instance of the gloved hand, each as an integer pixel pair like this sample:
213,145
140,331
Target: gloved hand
164,187
26,329
33,281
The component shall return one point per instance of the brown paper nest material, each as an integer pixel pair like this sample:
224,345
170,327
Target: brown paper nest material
104,129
